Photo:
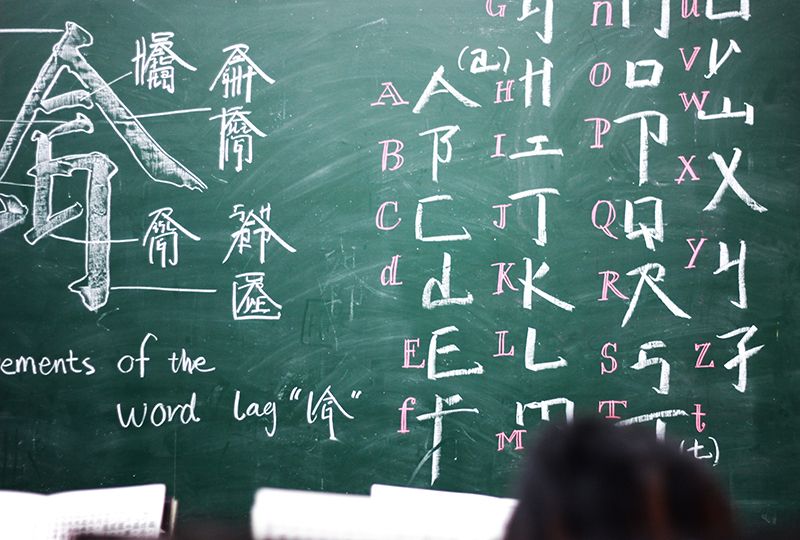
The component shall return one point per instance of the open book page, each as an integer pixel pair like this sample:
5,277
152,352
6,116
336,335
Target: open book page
126,511
308,515
21,515
443,515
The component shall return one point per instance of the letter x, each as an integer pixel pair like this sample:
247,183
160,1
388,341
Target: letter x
728,180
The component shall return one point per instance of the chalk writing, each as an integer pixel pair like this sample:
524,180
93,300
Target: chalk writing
93,288
250,300
154,62
161,238
237,72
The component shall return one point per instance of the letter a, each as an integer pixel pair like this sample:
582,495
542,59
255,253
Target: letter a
389,92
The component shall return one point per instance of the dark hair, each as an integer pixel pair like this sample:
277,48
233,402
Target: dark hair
594,480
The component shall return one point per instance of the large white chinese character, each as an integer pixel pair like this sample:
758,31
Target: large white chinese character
161,237
155,68
742,354
438,417
325,409
235,135
254,224
238,68
250,301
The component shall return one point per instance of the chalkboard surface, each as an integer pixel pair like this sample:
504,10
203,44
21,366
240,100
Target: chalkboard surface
323,245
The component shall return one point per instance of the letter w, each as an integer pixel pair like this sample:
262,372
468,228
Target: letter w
131,417
699,103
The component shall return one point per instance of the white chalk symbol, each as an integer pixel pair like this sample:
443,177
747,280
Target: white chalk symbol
94,286
238,68
155,68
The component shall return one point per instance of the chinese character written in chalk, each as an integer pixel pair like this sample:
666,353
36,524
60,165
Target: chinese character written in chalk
154,67
325,408
236,135
49,170
161,237
254,224
702,452
250,301
238,68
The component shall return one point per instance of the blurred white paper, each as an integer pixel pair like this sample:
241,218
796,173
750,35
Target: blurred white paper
127,511
309,515
389,513
442,515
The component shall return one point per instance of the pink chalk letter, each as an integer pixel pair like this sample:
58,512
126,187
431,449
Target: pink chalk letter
379,223
698,102
515,438
609,278
410,351
500,12
501,223
501,345
389,92
699,425
604,353
609,12
695,250
502,277
398,159
601,127
611,216
389,273
702,348
503,94
404,408
498,145
687,64
605,76
687,167
612,408
687,11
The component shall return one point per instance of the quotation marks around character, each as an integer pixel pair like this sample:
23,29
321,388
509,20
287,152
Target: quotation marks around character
294,395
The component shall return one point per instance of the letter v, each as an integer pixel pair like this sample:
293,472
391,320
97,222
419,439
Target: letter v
689,63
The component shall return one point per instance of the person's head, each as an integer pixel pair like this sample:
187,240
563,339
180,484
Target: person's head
594,480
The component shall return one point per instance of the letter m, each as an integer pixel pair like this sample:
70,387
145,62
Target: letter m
515,438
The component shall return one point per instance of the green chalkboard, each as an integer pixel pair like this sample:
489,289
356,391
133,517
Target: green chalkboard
204,179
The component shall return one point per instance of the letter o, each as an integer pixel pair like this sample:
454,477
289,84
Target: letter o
606,74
